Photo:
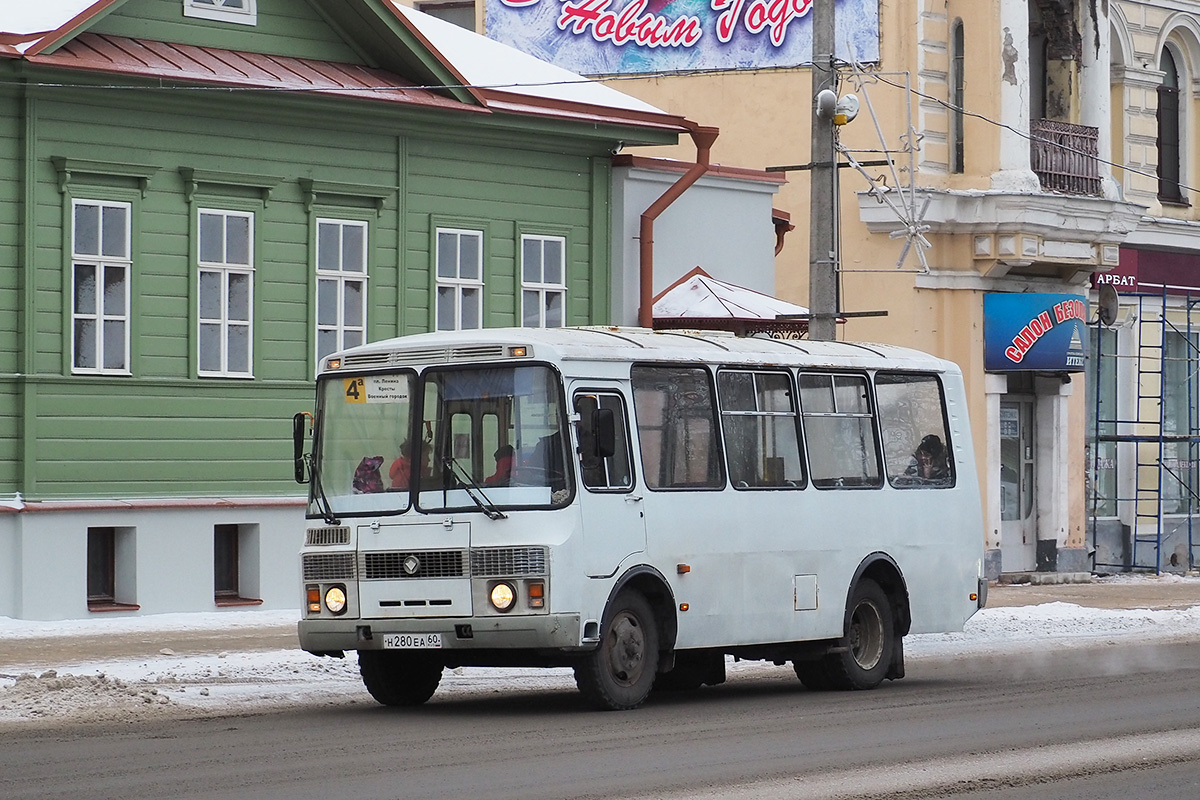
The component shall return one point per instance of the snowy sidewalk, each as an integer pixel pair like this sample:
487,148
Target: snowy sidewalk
179,665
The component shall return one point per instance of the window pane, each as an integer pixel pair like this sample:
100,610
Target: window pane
353,315
554,309
352,338
212,238
445,308
468,266
87,229
677,427
114,291
353,248
531,305
326,343
531,260
851,394
211,291
553,270
225,559
210,348
239,297
914,432
114,235
239,348
327,302
447,255
470,309
774,392
736,390
816,394
85,289
239,240
841,451
85,343
328,246
114,344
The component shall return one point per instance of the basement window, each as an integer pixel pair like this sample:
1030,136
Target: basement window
241,12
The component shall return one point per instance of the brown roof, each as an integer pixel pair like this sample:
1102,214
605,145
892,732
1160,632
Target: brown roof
207,65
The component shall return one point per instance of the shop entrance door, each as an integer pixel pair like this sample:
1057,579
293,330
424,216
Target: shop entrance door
1018,504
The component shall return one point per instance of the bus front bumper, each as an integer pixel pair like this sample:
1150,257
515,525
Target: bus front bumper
541,632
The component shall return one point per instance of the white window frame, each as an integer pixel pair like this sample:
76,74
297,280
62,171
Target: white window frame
245,13
457,284
100,315
542,288
225,269
340,275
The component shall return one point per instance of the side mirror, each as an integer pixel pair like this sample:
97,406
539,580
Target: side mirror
604,428
299,435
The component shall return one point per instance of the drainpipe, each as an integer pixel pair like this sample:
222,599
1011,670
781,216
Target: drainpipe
703,137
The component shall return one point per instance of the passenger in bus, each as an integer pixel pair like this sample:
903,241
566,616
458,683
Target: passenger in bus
367,479
504,456
929,461
401,471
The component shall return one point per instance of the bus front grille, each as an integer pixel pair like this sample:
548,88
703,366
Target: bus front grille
413,564
495,562
328,566
327,536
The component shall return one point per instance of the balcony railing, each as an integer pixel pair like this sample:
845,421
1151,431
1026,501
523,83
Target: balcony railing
1065,156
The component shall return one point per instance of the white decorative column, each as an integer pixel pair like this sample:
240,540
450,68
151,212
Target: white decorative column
1095,78
1015,174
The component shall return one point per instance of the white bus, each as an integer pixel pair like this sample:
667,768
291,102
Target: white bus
635,505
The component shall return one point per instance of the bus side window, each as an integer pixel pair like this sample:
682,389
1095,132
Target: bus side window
916,444
839,430
677,428
758,416
600,470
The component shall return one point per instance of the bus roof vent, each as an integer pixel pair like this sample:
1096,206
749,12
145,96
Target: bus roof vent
426,355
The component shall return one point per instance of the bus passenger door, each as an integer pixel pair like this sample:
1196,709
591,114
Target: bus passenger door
611,503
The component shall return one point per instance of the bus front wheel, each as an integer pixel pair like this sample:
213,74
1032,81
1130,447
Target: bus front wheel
619,673
399,678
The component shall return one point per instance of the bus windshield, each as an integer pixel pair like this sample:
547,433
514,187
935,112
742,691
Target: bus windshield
480,439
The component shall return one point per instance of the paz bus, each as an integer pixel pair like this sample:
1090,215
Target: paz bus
636,505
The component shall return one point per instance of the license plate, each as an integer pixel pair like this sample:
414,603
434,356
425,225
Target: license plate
410,641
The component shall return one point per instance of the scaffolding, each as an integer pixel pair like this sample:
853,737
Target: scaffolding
1145,521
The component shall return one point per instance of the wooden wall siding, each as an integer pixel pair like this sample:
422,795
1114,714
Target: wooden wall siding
285,28
165,432
111,438
12,185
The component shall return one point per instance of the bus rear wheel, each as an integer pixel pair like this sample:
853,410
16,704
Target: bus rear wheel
399,678
619,673
864,654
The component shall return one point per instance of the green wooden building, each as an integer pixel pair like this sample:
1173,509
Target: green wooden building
198,199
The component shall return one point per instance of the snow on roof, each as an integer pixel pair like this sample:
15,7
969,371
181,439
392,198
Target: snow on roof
698,295
25,17
489,64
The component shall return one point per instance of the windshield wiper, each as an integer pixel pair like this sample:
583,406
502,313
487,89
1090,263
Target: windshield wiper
472,489
322,501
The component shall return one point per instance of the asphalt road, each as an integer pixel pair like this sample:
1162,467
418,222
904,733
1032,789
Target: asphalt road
1112,722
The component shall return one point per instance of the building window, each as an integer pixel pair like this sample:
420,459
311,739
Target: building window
100,268
1169,134
226,293
234,556
1102,422
341,285
543,281
110,585
459,279
457,13
1181,411
957,45
242,12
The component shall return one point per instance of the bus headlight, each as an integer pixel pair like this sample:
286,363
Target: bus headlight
503,596
335,599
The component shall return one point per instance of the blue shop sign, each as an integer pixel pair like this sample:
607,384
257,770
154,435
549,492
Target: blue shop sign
1034,332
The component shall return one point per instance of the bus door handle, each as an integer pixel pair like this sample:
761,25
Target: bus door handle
633,498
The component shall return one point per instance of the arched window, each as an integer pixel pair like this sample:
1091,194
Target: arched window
1168,130
956,96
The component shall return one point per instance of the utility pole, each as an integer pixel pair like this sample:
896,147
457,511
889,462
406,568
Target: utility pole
822,244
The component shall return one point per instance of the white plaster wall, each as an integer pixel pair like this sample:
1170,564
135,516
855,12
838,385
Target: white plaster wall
721,224
167,566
